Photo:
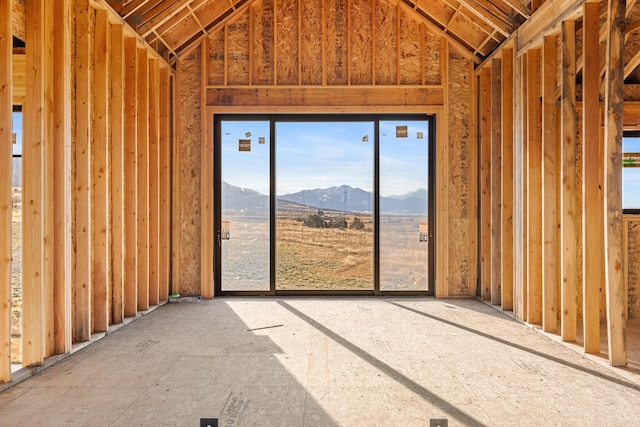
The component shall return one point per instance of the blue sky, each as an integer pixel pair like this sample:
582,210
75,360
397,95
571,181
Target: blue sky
324,154
17,129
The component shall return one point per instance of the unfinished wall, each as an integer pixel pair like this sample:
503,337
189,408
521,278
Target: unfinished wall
633,268
371,57
461,219
187,191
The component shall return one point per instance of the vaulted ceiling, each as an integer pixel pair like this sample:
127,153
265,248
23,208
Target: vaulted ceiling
476,26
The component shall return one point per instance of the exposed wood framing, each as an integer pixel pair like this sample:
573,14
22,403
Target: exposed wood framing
47,213
130,177
593,182
568,267
165,183
206,187
379,96
507,157
496,181
6,150
519,188
33,313
142,197
82,184
485,183
550,189
117,156
442,193
534,188
613,123
100,175
546,21
62,171
154,182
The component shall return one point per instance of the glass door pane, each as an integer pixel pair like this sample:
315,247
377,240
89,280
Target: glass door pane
244,232
404,222
324,207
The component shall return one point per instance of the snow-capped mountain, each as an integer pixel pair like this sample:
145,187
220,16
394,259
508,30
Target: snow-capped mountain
343,198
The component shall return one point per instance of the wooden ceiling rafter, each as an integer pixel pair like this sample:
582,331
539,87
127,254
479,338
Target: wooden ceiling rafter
195,18
191,43
152,24
518,7
434,28
130,8
485,17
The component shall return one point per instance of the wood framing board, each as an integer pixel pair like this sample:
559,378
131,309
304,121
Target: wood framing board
361,40
534,187
19,80
568,177
386,42
100,174
263,43
165,182
6,159
613,124
496,182
207,235
62,171
33,304
484,143
48,251
593,260
142,174
550,185
117,155
632,265
519,198
130,278
82,184
237,57
461,162
381,96
507,250
187,194
154,182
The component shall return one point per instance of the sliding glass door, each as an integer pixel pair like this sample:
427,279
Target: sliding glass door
324,204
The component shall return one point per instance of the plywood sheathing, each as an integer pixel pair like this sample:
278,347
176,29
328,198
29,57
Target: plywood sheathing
386,43
432,60
238,57
283,43
336,42
263,46
287,41
216,58
190,127
461,216
361,54
18,18
410,51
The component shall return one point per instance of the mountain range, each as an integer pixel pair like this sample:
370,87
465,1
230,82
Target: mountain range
343,198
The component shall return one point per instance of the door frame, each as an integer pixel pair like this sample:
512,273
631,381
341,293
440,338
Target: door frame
324,117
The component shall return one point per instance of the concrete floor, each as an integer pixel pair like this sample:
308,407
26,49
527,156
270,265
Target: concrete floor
325,362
